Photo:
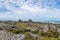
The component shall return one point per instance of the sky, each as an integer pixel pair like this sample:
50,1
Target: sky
37,10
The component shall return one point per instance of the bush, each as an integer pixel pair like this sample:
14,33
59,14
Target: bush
1,28
43,34
16,31
53,38
52,34
44,38
29,37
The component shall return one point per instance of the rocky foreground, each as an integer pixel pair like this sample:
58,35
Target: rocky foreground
41,32
4,35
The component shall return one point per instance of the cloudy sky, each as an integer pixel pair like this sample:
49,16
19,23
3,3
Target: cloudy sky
36,10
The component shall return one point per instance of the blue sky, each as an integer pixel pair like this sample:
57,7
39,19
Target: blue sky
36,10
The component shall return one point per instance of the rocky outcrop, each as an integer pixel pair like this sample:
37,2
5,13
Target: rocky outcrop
4,35
8,27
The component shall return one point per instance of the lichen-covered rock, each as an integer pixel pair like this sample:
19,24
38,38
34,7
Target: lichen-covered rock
8,27
4,35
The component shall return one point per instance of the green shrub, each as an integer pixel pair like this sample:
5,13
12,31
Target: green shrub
1,28
17,31
52,34
29,37
53,38
44,38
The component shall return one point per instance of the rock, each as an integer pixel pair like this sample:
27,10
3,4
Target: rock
8,27
4,35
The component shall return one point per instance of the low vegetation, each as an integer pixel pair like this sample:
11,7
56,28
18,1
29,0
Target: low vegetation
49,35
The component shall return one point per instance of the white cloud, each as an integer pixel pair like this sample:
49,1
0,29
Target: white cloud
29,12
